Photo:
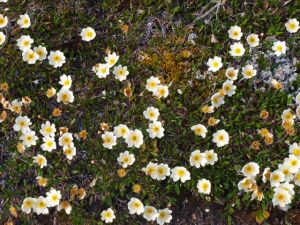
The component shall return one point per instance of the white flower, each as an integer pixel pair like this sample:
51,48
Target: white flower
56,58
287,187
120,72
279,48
197,159
162,91
3,0
180,173
40,206
217,100
229,88
27,205
281,198
211,157
69,151
3,21
298,98
235,33
16,106
22,123
150,213
276,178
248,71
41,51
286,170
156,130
237,49
65,95
88,34
251,169
66,139
151,113
204,186
29,138
221,138
253,40
214,64
121,131
292,25
111,59
2,37
293,162
24,21
108,215
24,42
134,138
109,139
162,171
135,206
287,115
53,197
48,129
66,206
164,216
199,130
232,73
125,159
40,160
298,111
65,81
246,184
152,83
151,170
295,150
30,56
101,70
49,144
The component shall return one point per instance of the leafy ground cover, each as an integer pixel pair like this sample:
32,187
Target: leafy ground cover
171,40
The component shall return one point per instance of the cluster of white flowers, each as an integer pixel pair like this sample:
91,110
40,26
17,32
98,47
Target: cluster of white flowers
153,85
155,129
102,69
161,216
65,95
42,204
66,141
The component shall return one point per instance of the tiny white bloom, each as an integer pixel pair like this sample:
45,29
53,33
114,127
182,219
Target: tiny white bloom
279,48
229,88
232,73
66,139
180,173
253,40
197,159
217,100
53,197
151,170
152,84
135,206
109,139
28,204
151,113
120,72
2,38
65,81
111,59
48,129
29,138
162,171
41,206
214,64
125,159
24,21
22,124
164,216
150,213
156,130
162,91
65,206
69,151
49,144
286,170
204,186
235,33
211,157
221,138
295,150
65,95
293,162
30,56
88,34
40,160
41,51
134,138
108,215
101,70
121,131
237,49
292,25
3,21
248,71
56,58
251,169
281,198
24,42
199,130
276,178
